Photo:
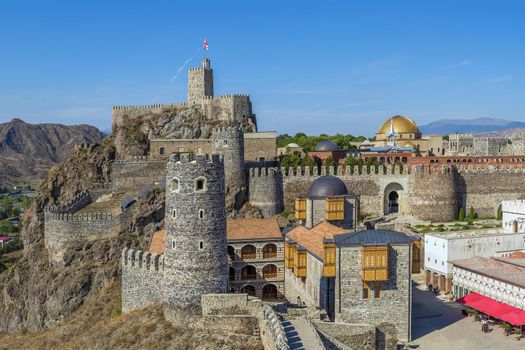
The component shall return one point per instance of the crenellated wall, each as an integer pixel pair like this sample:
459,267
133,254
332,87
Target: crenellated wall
265,188
141,279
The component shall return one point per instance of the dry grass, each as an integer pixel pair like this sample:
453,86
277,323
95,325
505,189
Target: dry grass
98,325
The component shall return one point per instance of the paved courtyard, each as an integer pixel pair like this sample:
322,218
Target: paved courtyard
438,324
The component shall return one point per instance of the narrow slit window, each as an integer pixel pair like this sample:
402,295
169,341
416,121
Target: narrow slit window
173,244
174,213
201,214
201,245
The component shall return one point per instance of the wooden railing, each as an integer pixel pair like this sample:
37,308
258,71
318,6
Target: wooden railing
269,255
250,276
248,256
269,274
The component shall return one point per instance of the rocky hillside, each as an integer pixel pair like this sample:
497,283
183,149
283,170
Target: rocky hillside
28,151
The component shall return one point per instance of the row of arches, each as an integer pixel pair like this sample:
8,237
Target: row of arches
249,272
249,251
269,291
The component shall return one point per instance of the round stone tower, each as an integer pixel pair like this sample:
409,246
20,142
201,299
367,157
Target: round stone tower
228,143
266,190
433,196
195,260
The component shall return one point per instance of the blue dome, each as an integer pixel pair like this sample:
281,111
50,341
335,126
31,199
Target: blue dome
327,186
326,145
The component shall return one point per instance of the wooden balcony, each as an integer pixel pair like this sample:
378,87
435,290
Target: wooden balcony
249,276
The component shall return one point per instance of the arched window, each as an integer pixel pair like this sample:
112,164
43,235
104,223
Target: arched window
248,272
231,252
175,185
232,274
269,251
248,252
269,271
248,289
269,292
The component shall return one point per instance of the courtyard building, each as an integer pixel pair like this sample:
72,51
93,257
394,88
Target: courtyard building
494,286
256,258
513,216
443,248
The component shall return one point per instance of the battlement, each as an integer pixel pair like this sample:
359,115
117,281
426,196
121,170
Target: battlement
142,260
233,129
149,107
85,217
356,171
263,172
76,203
188,158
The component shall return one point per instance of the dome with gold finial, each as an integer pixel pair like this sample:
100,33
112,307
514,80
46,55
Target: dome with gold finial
401,123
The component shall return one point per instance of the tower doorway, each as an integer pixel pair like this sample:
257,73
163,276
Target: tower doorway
393,202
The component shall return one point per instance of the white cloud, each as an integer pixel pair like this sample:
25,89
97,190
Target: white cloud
504,77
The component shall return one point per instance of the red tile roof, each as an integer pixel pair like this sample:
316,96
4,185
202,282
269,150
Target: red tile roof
241,229
312,239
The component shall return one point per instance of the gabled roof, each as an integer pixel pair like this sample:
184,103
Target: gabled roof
251,229
312,239
373,237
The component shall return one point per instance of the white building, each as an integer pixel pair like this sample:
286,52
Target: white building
443,248
513,216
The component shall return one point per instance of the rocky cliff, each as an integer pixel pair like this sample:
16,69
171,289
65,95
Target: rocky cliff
28,151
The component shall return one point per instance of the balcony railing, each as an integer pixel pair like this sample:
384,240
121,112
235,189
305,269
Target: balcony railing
269,255
248,256
270,275
250,276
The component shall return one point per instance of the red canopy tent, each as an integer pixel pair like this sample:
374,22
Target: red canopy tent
494,308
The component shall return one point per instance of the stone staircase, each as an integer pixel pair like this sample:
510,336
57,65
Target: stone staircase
301,335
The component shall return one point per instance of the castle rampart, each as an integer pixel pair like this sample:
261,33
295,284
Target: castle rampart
141,279
132,174
266,190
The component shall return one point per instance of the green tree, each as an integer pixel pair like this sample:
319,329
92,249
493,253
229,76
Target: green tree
461,215
329,162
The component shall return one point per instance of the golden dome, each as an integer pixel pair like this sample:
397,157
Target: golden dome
402,124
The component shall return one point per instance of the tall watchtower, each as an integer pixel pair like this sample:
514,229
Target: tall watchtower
195,260
228,143
200,82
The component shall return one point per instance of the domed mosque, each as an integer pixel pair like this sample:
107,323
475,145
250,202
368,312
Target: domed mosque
400,134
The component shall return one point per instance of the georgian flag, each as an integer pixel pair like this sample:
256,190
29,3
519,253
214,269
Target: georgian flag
205,45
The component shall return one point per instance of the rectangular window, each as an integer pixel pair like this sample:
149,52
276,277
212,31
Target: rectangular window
366,291
162,151
173,244
201,214
201,245
300,208
377,290
174,213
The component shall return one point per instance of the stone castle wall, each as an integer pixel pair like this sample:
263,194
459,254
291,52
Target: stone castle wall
141,279
136,172
266,190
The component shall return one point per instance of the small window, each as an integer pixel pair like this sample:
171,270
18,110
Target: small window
201,213
200,184
175,185
173,244
428,259
442,263
366,291
201,245
225,142
377,290
162,151
174,213
435,261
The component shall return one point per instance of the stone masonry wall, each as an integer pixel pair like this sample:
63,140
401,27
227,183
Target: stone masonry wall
393,306
266,191
141,279
132,174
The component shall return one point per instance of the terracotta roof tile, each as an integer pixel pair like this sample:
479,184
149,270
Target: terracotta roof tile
312,239
157,242
252,229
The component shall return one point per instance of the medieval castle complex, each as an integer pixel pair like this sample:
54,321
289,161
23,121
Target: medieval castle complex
209,177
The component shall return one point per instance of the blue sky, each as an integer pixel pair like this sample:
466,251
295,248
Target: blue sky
317,67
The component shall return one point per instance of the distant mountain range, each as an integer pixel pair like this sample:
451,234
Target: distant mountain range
470,126
28,151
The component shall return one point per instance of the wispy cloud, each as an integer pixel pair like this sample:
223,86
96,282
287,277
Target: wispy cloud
458,65
504,77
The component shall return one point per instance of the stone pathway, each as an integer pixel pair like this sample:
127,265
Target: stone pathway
301,336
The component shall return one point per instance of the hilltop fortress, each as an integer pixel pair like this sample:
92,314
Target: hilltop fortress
252,174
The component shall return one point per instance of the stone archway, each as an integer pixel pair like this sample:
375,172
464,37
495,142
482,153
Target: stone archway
248,289
393,199
269,292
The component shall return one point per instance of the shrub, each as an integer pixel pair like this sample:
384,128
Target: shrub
471,213
461,215
499,215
